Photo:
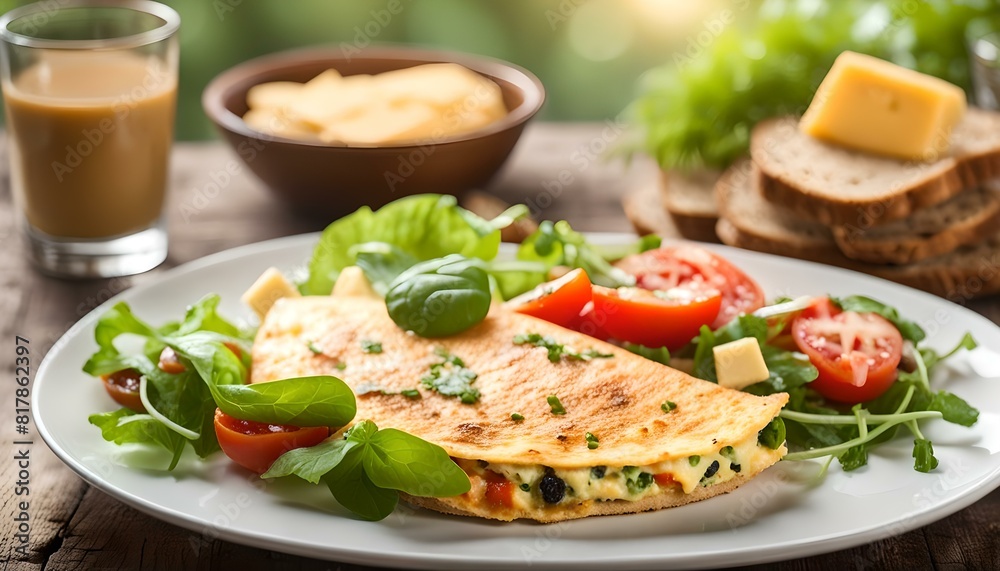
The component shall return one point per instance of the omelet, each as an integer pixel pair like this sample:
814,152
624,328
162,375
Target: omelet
548,423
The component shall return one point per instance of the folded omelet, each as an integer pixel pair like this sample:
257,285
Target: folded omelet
622,434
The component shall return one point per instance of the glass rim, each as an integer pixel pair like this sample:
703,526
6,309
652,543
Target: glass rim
171,22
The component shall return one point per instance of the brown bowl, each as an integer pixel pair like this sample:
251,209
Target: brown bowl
333,180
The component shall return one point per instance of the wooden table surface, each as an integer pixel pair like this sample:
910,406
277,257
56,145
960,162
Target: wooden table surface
554,169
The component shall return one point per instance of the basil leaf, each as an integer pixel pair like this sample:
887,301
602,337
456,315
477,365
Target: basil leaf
124,426
303,401
424,226
354,489
923,456
310,463
401,461
861,304
440,297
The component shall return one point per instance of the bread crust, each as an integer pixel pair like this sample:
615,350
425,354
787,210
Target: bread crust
914,247
970,164
689,201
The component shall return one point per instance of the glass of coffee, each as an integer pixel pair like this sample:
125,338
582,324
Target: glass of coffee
89,89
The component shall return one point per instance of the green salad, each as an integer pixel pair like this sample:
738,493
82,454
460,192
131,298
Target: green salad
185,383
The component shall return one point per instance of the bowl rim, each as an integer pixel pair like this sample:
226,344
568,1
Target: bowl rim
530,86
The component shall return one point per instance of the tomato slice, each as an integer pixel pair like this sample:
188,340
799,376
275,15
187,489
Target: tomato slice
856,353
170,362
559,301
499,490
684,265
590,323
123,386
256,445
668,318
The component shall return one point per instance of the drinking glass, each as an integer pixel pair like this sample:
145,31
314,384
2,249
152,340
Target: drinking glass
89,91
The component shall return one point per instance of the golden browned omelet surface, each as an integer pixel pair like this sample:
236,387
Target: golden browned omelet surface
618,399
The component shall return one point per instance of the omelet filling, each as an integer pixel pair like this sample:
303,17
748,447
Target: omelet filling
538,486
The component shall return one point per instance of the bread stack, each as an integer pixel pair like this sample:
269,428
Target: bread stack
933,225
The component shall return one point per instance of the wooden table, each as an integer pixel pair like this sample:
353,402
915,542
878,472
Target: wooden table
74,526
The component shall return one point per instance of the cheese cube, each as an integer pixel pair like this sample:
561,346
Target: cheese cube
269,288
875,106
739,364
352,282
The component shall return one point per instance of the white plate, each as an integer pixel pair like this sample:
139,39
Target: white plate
779,515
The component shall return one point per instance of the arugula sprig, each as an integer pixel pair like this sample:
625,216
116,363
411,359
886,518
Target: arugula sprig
367,469
180,407
816,427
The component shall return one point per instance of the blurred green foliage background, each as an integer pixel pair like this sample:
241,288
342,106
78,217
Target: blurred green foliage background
704,70
588,53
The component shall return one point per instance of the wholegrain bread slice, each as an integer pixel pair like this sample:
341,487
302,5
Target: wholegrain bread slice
842,187
750,221
690,201
970,217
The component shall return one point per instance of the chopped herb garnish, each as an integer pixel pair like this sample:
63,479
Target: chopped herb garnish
694,460
410,393
312,347
557,407
369,346
340,366
451,378
525,487
668,406
592,441
557,350
516,416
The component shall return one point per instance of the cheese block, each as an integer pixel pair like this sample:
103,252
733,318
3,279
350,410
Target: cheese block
269,288
875,106
739,364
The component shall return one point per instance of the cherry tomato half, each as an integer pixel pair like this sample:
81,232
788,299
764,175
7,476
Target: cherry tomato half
690,266
559,301
256,445
123,386
659,318
856,353
170,362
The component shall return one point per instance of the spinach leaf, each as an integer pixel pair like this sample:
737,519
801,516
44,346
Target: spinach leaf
124,426
367,469
440,297
861,304
303,401
382,263
425,227
310,463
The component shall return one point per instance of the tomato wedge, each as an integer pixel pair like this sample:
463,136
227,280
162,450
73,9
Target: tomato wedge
690,266
668,318
559,301
256,445
856,353
123,387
